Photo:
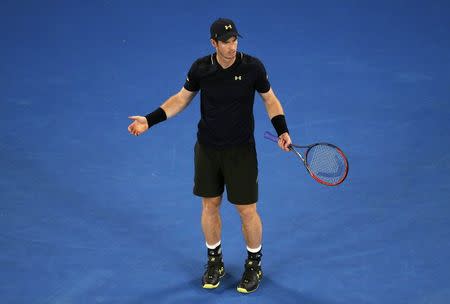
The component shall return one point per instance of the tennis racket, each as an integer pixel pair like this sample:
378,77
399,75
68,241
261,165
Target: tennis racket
326,163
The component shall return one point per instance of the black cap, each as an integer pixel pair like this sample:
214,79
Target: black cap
222,29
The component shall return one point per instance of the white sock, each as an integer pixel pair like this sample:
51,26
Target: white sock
254,250
212,246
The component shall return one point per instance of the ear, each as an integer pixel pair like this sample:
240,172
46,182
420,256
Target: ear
214,43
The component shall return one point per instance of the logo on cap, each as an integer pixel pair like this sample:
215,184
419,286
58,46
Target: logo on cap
222,29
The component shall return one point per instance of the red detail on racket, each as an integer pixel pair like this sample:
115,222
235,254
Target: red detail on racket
325,162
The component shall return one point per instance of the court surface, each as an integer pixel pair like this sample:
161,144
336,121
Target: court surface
90,214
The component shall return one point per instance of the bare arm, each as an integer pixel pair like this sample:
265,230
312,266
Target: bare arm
178,102
272,104
171,107
274,108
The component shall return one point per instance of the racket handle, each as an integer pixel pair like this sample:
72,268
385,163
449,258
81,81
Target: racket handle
270,136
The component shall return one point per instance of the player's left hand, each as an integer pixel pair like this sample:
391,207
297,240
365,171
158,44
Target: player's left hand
284,141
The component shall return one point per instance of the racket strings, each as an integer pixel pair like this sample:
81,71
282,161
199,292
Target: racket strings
326,163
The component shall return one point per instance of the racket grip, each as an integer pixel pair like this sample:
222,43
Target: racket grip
270,136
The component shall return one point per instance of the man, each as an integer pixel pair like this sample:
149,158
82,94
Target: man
225,154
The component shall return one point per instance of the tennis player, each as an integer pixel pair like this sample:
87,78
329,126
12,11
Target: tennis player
225,154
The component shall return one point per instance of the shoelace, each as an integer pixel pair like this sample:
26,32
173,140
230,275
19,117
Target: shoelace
249,274
212,267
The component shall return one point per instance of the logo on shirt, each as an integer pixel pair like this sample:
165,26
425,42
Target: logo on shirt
238,77
228,27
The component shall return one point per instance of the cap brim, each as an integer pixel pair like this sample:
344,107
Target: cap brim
228,35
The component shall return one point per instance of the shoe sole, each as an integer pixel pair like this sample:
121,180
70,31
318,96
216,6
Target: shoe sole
211,286
243,290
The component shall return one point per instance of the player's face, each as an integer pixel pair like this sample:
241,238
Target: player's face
227,49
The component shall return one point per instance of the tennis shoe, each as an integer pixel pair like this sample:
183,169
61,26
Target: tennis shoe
214,272
251,277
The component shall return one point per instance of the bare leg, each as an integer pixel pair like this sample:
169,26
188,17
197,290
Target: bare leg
251,225
211,222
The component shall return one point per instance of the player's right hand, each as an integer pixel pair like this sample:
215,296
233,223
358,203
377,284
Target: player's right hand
138,126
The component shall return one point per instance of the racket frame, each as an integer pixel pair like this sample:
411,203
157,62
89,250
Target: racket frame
304,159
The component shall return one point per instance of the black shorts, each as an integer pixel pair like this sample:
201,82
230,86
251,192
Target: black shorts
234,167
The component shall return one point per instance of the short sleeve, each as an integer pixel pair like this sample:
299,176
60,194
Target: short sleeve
192,83
262,84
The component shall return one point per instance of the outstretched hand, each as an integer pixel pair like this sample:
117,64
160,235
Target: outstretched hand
284,141
138,126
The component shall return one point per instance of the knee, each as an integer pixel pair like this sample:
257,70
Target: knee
211,206
247,213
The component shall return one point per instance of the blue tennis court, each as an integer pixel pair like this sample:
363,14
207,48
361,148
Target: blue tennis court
91,214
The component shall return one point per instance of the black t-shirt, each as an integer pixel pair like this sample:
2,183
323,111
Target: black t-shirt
227,98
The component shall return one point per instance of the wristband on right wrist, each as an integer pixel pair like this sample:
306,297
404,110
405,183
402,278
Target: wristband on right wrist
155,117
279,123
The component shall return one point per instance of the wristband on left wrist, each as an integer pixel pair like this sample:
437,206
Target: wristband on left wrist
279,123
